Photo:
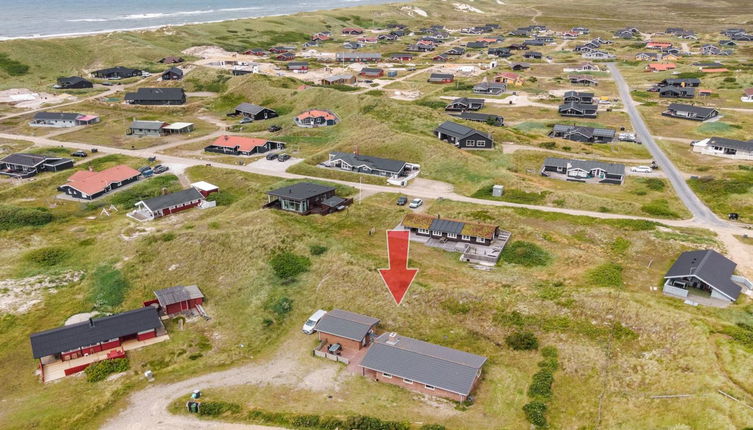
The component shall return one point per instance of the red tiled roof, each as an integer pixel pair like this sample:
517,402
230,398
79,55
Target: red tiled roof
748,92
509,75
244,144
720,70
316,114
93,182
661,66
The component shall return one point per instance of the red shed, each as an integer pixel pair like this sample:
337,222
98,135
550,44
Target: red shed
177,299
205,188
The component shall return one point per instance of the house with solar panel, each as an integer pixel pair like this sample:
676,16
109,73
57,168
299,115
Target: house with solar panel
583,134
587,171
478,243
705,274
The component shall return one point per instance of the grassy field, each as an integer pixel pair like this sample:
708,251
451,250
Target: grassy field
593,297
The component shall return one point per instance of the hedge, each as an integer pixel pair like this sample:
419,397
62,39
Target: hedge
102,369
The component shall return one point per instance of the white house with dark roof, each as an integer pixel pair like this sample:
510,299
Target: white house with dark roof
723,147
691,112
22,165
423,367
464,137
398,172
705,273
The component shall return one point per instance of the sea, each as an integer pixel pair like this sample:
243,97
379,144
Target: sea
51,18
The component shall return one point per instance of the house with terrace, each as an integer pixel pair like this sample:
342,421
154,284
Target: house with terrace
89,185
344,335
441,78
316,118
586,80
680,82
464,104
398,172
296,66
478,243
343,79
306,198
22,165
464,137
487,118
73,83
704,276
578,97
372,72
510,78
583,134
677,92
694,113
170,203
358,57
239,145
588,171
118,72
255,112
747,96
489,88
156,97
579,110
146,128
422,367
70,349
726,148
62,119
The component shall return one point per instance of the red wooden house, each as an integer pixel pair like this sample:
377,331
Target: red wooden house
174,300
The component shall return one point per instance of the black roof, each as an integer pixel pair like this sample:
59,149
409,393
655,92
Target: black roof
95,330
698,110
300,191
739,145
456,130
446,226
63,116
249,108
118,70
157,94
173,70
165,201
585,131
346,324
71,80
588,165
710,266
376,163
441,76
581,107
32,160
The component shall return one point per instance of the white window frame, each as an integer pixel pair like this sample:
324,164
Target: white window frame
386,375
464,237
423,231
436,233
430,387
480,240
408,381
452,236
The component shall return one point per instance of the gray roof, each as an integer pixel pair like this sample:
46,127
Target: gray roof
346,324
95,330
28,160
489,85
456,130
146,125
441,76
446,226
371,70
165,201
583,107
579,94
249,108
586,131
300,191
441,367
334,78
333,202
367,55
739,145
711,267
177,294
698,110
376,163
588,165
680,81
467,101
157,94
63,116
175,70
680,91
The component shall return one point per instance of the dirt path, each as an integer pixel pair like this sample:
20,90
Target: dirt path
513,101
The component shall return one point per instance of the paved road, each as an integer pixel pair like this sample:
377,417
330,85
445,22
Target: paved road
701,213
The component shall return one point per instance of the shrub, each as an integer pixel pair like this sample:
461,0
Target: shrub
525,254
109,286
47,257
217,408
654,184
287,265
282,306
522,341
456,307
306,421
620,245
12,67
548,145
14,217
659,208
433,427
317,249
433,104
541,384
102,369
360,422
535,413
606,275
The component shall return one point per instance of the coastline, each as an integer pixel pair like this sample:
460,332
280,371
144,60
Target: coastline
166,26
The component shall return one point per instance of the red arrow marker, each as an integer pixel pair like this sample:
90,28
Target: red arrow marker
398,278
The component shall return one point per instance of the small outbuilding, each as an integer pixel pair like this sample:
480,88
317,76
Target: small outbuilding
174,300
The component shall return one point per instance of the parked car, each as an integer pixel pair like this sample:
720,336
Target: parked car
640,169
160,169
246,120
309,327
274,128
107,84
283,158
416,203
78,154
146,171
402,200
626,137
271,156
94,150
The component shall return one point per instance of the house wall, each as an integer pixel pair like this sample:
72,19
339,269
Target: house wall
172,210
415,386
146,335
347,344
183,306
717,295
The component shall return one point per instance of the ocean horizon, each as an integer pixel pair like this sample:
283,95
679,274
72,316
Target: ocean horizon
22,19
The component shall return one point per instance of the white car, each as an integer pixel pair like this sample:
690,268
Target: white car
641,169
416,203
310,326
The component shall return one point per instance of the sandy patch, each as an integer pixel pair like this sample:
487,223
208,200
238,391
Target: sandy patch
19,295
412,11
208,51
77,318
462,7
405,95
25,98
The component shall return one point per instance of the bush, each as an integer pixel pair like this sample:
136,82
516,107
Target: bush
606,275
223,198
287,265
526,254
433,427
12,67
541,384
360,422
47,257
215,409
101,370
654,184
14,217
659,208
109,286
306,421
548,145
620,245
282,306
535,413
522,341
317,249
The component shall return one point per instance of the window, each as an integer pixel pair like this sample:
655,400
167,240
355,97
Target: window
452,235
436,233
430,387
480,240
470,143
423,231
464,237
387,375
408,381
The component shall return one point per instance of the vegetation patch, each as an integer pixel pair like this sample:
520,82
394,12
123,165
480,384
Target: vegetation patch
717,127
605,275
108,286
215,409
15,217
47,257
522,341
12,67
660,208
540,389
100,370
288,265
526,254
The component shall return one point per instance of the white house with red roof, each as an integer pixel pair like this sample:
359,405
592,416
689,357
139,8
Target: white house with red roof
239,145
88,184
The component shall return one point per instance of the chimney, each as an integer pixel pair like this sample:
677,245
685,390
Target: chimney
91,322
227,137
